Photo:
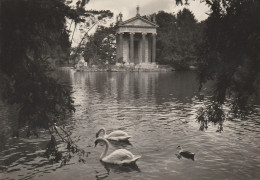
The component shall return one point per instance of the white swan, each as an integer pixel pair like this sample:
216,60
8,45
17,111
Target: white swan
119,156
114,136
186,154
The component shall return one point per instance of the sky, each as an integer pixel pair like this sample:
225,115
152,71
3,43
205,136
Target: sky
128,7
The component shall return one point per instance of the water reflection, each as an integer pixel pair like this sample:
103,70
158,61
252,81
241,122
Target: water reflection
111,168
121,168
159,111
152,87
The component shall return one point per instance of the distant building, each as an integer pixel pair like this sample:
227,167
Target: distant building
136,40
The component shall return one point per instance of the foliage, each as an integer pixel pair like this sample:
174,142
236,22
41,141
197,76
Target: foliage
166,35
91,18
188,35
230,56
178,37
63,155
31,32
101,14
180,2
101,47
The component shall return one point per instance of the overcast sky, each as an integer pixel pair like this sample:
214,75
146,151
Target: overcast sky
128,7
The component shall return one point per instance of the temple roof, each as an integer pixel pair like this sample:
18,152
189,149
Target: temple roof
138,21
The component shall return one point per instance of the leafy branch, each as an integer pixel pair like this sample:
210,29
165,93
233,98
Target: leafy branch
52,151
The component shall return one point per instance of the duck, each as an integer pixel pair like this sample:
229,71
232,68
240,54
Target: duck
186,154
118,157
117,135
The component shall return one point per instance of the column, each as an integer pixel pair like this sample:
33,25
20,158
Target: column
153,48
117,47
121,47
131,47
143,47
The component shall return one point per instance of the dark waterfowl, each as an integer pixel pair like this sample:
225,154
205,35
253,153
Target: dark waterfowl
186,154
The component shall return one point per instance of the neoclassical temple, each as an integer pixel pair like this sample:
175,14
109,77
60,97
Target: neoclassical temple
136,40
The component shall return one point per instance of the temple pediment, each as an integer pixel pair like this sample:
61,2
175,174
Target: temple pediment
138,22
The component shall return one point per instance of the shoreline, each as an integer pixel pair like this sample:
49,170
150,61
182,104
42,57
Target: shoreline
115,68
160,68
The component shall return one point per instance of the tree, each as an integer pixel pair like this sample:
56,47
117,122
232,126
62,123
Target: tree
31,33
187,35
101,47
166,37
178,37
91,19
230,57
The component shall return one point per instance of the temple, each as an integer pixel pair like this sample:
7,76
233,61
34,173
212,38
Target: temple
136,40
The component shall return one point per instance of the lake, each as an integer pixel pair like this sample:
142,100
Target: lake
159,110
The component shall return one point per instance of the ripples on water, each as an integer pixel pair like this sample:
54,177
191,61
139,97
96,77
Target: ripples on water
159,111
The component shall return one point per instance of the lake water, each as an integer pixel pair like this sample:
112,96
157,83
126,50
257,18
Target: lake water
159,110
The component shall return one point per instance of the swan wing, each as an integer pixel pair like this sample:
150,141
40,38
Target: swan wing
117,133
121,156
119,138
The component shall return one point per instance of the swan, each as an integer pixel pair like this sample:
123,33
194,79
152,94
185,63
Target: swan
119,156
114,136
186,154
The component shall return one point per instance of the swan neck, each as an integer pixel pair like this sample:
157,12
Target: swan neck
105,151
105,132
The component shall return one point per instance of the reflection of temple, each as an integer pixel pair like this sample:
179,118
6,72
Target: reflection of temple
136,40
133,89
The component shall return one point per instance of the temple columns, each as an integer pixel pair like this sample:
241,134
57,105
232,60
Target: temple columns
120,46
153,48
117,48
143,47
131,47
145,50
